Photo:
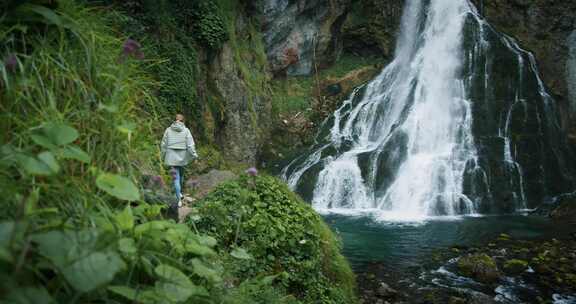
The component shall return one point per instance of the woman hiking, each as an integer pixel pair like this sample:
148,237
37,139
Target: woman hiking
178,150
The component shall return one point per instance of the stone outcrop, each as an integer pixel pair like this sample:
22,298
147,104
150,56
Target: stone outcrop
543,27
242,105
301,33
371,26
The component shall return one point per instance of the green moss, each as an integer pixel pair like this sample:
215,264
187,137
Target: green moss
515,266
283,234
296,94
249,54
480,267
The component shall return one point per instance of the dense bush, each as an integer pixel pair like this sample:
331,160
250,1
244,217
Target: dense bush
283,235
208,23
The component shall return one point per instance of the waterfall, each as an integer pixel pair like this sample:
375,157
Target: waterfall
433,134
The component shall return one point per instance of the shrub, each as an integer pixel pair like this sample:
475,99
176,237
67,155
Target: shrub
284,236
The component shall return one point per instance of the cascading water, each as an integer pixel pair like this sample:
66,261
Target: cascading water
440,130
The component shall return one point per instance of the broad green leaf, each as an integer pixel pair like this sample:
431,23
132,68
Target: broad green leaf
33,166
194,247
202,270
74,152
151,226
93,271
118,186
65,247
173,292
171,274
125,219
241,253
29,295
49,159
52,134
43,141
207,240
127,246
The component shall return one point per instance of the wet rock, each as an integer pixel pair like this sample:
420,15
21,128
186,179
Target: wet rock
543,28
386,291
480,267
371,26
571,70
515,266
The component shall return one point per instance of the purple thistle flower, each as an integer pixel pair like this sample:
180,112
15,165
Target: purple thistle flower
252,171
158,181
132,48
11,63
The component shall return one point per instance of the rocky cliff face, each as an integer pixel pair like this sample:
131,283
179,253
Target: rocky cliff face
301,33
237,79
371,26
571,71
543,27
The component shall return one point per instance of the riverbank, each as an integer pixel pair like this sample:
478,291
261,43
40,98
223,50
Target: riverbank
503,270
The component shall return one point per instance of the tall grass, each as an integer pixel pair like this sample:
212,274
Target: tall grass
76,75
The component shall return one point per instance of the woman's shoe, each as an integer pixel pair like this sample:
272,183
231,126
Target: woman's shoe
179,203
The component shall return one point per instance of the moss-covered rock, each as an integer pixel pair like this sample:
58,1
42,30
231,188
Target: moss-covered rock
283,235
480,267
515,266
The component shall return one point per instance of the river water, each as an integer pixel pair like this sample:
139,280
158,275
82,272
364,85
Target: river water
400,246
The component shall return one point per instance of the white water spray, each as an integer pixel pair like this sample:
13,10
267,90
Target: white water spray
404,148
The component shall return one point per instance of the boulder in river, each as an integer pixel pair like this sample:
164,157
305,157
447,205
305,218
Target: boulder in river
515,266
479,267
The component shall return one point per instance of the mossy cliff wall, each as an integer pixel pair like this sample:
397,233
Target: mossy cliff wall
543,27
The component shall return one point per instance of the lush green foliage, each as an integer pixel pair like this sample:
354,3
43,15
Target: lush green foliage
284,236
296,94
166,38
209,23
76,113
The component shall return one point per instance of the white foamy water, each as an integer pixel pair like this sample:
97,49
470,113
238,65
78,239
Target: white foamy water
402,150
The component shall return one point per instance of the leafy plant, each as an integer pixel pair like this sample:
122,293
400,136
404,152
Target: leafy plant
281,235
